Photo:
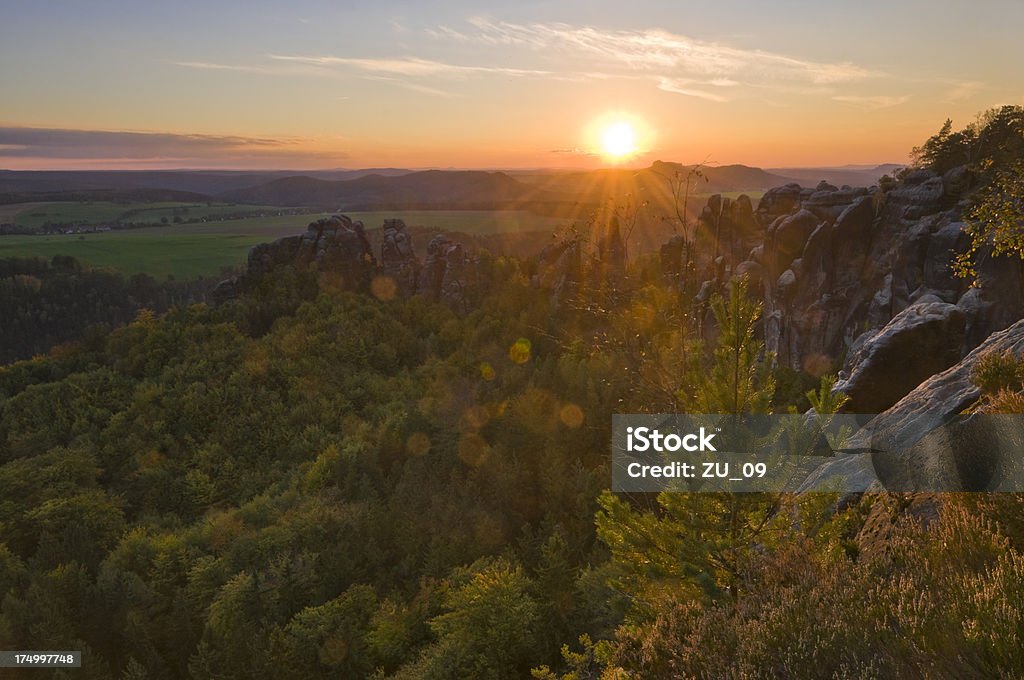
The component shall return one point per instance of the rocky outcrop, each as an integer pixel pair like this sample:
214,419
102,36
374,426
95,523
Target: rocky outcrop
729,228
671,257
397,259
333,244
835,266
447,272
922,444
938,398
885,365
337,248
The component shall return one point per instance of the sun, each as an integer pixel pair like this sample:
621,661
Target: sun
618,140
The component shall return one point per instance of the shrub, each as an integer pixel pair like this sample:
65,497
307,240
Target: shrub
997,371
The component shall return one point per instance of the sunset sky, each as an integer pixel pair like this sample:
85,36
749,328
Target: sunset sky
138,84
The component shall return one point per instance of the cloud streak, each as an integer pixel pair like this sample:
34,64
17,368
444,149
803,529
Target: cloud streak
22,143
673,63
873,102
669,58
412,66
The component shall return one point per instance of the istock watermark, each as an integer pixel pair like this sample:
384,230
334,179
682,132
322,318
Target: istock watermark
846,453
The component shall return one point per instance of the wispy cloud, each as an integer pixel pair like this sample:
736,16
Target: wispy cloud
211,66
963,89
117,145
684,86
668,54
411,66
574,151
873,102
671,62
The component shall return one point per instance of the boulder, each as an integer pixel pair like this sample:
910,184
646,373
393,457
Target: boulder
828,204
778,201
922,340
752,271
937,399
787,237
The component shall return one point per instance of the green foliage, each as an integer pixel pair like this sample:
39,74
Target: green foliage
738,378
488,629
945,149
301,479
43,304
996,223
992,142
694,545
825,399
938,601
1004,401
588,664
305,483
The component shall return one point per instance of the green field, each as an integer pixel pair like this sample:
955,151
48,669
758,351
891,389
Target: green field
36,215
192,250
156,254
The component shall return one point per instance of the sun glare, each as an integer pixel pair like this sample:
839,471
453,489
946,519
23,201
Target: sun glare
618,140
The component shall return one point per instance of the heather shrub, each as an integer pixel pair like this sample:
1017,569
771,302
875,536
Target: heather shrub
997,371
941,601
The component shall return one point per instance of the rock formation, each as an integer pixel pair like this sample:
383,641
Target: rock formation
338,249
839,263
398,261
447,271
917,441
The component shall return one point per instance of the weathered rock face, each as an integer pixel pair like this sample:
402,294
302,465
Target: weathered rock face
780,201
729,228
337,245
398,261
836,263
885,365
264,257
446,273
938,398
787,236
914,446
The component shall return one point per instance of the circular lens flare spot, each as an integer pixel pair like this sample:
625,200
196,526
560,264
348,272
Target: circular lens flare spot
520,351
384,288
418,444
571,416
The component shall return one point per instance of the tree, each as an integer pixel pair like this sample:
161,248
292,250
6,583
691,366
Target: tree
945,149
739,377
697,544
996,224
489,630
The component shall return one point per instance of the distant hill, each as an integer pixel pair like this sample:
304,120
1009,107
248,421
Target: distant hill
205,182
853,175
141,195
440,189
562,193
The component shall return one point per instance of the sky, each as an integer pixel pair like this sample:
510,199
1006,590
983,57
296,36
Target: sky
314,84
